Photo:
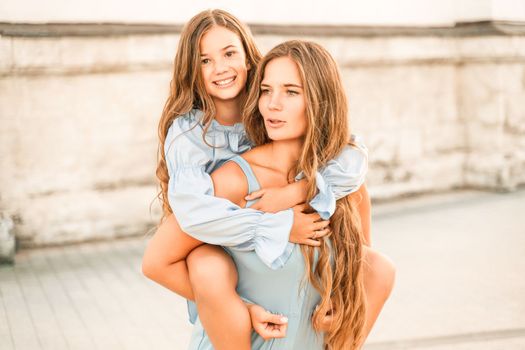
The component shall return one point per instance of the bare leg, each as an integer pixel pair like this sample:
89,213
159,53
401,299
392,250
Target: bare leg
223,314
164,259
379,277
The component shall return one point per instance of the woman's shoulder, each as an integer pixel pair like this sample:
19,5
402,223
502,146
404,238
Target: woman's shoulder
255,155
230,172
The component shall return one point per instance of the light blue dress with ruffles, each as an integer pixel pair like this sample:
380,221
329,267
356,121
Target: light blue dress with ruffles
191,155
283,291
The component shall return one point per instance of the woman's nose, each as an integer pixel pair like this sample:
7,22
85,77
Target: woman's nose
275,102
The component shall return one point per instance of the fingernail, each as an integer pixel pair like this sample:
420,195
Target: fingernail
284,319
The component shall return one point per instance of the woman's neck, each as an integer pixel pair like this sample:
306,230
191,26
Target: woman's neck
228,112
285,154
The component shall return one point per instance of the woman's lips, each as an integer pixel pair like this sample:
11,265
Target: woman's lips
275,123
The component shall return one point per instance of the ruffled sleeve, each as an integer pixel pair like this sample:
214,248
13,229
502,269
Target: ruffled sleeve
216,220
340,177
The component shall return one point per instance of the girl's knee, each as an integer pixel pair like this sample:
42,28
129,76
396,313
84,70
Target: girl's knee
211,270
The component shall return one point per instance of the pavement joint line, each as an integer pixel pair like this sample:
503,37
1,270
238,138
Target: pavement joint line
447,339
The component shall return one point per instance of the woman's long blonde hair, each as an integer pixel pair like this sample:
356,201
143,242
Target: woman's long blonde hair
187,89
338,274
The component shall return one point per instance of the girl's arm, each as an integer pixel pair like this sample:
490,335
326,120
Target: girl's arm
217,220
341,176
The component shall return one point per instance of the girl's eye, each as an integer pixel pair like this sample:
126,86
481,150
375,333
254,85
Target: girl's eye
205,61
292,92
265,91
230,53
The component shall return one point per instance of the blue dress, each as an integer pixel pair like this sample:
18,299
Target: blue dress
192,154
285,291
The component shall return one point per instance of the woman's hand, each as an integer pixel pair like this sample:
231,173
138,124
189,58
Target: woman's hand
266,324
325,323
308,228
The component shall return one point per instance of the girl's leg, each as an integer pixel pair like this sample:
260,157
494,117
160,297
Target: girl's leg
379,277
223,314
164,259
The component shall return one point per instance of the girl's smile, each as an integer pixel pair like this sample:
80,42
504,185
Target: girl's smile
225,83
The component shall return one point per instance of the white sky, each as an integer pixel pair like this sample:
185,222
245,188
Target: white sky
356,12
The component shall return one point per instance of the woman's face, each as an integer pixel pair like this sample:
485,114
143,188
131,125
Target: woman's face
223,64
282,101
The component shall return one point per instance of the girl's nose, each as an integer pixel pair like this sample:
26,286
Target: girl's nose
220,67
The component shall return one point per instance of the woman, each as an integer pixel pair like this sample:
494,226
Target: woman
200,129
299,124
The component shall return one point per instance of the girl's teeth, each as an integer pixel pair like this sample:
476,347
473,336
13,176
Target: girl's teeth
224,82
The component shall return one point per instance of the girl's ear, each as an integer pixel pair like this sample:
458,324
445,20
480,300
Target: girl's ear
248,66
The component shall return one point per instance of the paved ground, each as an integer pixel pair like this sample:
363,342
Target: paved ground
460,285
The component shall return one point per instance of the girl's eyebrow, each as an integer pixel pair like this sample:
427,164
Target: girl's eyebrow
223,49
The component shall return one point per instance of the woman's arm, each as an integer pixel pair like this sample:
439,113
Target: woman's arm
362,199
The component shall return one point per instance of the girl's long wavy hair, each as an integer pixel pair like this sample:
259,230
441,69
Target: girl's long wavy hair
338,273
187,89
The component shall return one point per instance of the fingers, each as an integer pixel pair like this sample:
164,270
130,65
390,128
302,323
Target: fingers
276,319
321,233
254,195
301,207
311,242
280,331
269,331
320,225
325,323
271,326
315,216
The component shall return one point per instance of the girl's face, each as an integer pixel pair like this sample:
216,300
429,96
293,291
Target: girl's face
282,101
223,64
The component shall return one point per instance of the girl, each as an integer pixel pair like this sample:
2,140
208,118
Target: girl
200,129
298,125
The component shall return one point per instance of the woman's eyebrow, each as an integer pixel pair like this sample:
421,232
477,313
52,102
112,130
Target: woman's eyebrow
285,85
293,85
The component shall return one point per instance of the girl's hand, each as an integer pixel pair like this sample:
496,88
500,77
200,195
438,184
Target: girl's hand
308,228
272,199
266,324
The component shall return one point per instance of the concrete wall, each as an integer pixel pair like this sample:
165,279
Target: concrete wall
78,114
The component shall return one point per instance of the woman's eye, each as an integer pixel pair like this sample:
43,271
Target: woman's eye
205,61
230,53
292,92
265,91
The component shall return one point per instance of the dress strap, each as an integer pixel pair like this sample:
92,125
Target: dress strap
253,184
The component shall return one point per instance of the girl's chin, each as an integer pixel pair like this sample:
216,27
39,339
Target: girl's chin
226,95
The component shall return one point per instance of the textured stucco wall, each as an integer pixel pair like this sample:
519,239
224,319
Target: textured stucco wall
78,119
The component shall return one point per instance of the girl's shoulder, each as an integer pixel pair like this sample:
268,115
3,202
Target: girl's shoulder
186,122
188,125
358,144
